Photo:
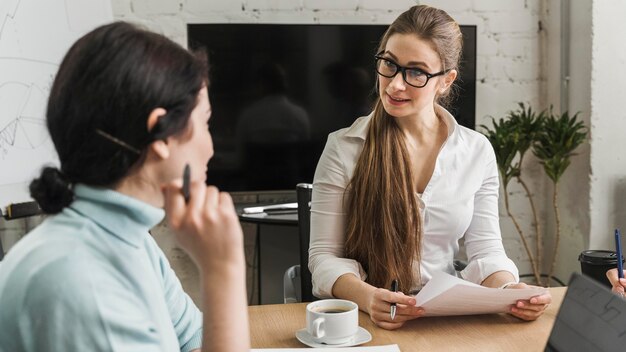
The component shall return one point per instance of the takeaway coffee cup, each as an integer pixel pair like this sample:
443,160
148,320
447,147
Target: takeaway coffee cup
595,263
332,321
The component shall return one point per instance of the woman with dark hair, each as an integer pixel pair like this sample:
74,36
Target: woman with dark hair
127,111
394,193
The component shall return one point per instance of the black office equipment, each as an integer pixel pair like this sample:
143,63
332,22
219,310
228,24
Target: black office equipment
591,318
268,79
304,192
21,210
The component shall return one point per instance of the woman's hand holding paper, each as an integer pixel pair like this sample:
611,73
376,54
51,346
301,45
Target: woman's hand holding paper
529,309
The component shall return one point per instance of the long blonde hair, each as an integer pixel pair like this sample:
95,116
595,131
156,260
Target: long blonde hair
383,227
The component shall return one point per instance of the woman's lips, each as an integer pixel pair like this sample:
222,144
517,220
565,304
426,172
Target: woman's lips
396,100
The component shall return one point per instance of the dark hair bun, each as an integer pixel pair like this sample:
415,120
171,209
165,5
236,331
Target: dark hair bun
51,190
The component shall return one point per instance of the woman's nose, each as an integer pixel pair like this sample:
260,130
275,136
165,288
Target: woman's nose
397,82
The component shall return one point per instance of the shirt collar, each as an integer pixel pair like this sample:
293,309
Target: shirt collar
360,126
124,217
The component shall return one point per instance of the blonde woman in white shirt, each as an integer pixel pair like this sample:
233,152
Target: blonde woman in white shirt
394,192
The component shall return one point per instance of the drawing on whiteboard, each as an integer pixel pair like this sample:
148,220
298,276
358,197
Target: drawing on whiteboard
34,37
9,8
25,145
22,126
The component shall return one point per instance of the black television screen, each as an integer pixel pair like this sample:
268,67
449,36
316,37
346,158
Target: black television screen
278,90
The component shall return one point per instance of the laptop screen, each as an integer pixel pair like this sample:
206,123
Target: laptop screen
591,318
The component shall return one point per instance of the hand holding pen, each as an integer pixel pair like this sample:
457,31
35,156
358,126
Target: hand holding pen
394,288
381,302
616,276
204,222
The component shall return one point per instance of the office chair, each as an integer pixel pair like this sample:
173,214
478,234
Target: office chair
297,285
459,264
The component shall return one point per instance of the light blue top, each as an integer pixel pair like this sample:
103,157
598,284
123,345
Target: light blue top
91,278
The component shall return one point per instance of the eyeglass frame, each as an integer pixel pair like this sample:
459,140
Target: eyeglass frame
403,69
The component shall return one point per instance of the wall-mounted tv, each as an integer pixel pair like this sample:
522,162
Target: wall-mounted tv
278,90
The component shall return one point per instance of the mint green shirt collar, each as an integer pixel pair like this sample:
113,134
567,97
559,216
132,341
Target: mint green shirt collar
122,214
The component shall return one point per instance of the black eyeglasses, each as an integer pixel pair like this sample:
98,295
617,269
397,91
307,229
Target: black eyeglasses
412,76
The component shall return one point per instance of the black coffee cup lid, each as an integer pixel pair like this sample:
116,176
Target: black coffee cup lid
598,256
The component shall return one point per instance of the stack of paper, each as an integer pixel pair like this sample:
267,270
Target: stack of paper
384,348
271,208
445,294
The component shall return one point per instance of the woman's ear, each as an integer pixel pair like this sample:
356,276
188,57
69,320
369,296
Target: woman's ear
448,79
159,147
154,117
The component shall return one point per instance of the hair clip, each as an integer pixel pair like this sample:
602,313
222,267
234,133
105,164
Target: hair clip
118,141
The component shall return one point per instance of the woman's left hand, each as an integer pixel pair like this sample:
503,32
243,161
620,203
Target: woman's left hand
532,308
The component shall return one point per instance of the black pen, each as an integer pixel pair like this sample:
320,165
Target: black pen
186,180
394,288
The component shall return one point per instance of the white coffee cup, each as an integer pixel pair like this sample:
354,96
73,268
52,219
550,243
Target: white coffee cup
332,321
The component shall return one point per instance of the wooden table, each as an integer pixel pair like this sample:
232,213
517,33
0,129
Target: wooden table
274,326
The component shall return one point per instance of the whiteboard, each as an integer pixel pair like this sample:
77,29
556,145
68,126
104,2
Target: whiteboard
34,37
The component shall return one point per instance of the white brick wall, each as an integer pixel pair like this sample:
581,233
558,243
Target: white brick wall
143,8
521,22
332,5
386,5
275,5
511,6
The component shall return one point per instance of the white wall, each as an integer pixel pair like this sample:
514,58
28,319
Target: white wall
593,190
574,185
608,121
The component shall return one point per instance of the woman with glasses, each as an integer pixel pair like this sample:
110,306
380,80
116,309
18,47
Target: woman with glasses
394,193
128,112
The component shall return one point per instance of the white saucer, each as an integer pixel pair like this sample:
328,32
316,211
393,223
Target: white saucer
362,336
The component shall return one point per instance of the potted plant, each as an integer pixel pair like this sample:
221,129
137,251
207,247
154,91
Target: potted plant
553,140
554,146
511,138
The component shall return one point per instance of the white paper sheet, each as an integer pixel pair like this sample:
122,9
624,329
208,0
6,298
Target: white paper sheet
445,295
383,348
269,208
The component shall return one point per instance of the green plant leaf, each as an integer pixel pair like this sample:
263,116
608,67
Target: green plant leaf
526,124
558,138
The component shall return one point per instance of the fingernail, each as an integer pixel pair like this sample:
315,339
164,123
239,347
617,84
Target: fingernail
520,304
513,309
533,300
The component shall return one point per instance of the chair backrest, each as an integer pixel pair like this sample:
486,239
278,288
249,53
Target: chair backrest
303,194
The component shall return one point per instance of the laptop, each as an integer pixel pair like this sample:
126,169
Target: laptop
591,318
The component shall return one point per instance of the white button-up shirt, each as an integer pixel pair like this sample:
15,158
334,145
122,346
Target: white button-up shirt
461,199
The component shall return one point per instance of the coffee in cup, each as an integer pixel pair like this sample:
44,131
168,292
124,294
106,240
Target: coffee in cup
331,310
332,321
